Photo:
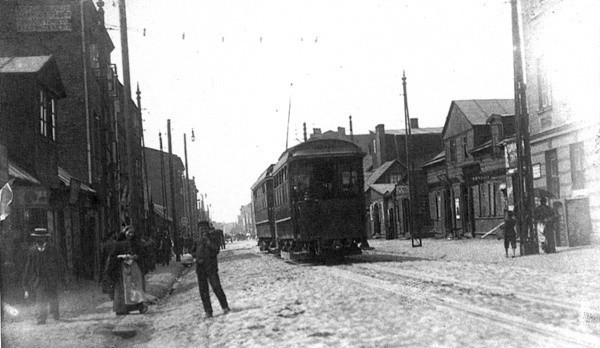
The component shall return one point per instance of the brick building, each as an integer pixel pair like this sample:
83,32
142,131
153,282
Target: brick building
73,32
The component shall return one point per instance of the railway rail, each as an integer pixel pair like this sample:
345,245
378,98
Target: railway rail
531,320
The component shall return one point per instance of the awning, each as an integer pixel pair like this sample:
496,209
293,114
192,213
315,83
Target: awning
65,177
159,210
14,171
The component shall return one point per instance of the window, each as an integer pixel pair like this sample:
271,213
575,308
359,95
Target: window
47,115
464,145
544,89
552,179
452,149
577,165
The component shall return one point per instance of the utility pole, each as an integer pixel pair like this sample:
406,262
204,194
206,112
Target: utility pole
149,220
524,198
416,240
133,207
351,132
173,207
162,179
187,184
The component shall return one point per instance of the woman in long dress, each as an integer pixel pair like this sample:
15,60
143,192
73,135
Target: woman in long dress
123,272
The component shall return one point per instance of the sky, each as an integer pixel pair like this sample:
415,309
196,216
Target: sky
231,69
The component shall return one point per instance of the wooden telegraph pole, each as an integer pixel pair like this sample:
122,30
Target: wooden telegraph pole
524,198
172,186
415,236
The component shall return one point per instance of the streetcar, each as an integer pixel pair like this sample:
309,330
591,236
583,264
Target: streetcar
311,202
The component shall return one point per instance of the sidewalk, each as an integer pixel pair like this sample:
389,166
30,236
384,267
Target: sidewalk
85,296
491,250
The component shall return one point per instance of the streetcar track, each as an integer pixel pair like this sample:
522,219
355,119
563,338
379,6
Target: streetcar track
550,334
492,290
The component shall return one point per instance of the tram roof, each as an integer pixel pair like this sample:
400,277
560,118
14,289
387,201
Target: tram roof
262,176
320,148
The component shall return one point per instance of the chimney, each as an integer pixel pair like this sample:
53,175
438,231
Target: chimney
379,147
316,131
304,128
341,131
100,4
414,123
351,132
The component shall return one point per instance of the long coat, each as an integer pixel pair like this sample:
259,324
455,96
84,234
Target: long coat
43,269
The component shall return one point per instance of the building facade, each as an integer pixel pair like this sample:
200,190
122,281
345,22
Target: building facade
561,43
467,180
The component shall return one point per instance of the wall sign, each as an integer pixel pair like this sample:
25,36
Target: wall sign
43,18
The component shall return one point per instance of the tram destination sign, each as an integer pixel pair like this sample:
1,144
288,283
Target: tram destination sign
43,18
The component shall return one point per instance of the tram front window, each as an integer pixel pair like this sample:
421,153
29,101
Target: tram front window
325,180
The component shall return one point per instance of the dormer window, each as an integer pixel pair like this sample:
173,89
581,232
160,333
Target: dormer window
47,115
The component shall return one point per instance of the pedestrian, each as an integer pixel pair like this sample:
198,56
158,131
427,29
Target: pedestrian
205,252
166,248
221,238
545,218
510,235
43,270
125,274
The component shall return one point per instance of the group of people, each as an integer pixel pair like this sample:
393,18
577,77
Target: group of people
545,219
127,259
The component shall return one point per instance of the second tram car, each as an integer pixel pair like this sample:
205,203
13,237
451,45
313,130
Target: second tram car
316,202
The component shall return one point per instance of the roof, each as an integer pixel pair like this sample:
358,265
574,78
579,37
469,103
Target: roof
477,111
320,148
415,131
439,158
261,178
377,174
16,65
65,177
383,189
17,172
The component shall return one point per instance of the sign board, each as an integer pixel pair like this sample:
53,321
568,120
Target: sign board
537,171
43,18
510,155
402,190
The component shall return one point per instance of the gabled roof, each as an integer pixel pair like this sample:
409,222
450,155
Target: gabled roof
439,158
378,173
383,189
477,111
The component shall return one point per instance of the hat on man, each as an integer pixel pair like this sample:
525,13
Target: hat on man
40,232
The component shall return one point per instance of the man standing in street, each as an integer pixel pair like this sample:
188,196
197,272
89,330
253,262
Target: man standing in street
205,252
545,217
42,273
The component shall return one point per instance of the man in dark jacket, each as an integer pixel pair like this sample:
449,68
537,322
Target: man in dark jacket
205,252
43,271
